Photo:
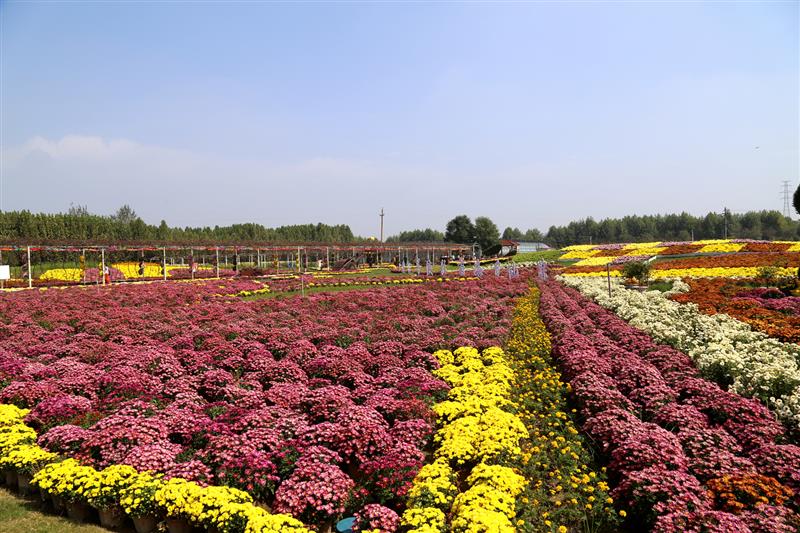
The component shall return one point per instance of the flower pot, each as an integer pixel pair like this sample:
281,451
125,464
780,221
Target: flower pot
178,525
145,524
24,484
111,518
59,506
11,478
78,511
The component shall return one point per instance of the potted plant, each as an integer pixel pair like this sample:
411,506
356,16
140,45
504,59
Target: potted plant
68,483
637,270
178,499
45,480
138,501
105,496
223,509
25,461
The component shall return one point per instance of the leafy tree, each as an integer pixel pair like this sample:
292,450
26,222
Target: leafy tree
78,210
486,232
637,270
125,214
533,235
418,235
683,227
513,234
460,230
797,200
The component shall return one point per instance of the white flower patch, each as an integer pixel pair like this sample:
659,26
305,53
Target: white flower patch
726,350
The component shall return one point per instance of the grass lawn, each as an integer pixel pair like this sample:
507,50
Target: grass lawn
547,255
19,515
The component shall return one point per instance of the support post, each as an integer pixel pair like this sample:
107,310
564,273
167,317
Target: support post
216,250
103,264
164,264
30,275
328,257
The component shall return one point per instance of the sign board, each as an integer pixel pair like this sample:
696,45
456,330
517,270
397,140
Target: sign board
5,272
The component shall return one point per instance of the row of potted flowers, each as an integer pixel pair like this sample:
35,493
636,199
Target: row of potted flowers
681,247
478,437
742,262
119,492
325,400
726,350
683,454
565,491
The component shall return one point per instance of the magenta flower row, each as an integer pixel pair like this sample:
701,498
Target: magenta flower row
663,430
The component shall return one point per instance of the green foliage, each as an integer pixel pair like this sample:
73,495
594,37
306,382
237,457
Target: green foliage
660,286
797,200
768,274
418,235
546,255
637,270
486,232
766,225
125,226
515,234
460,230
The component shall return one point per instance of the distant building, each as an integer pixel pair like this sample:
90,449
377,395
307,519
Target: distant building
518,247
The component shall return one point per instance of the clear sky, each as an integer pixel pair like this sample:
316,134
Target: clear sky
530,113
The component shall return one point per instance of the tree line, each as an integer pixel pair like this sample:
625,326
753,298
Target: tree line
78,225
759,225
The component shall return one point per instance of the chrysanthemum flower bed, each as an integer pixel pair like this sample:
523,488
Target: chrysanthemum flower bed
727,351
679,448
317,407
565,492
471,486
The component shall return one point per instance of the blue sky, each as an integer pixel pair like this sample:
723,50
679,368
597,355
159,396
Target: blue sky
529,113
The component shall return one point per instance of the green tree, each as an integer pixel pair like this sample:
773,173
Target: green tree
486,232
533,235
797,200
513,234
125,214
460,230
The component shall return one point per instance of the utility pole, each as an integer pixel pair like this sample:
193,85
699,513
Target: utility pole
381,224
725,220
787,209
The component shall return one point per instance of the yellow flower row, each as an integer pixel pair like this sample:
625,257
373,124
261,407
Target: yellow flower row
564,492
638,246
714,272
476,430
579,254
722,247
596,261
137,493
579,247
582,251
129,270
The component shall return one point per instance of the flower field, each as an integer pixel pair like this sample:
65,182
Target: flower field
767,310
683,454
317,407
424,405
726,350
